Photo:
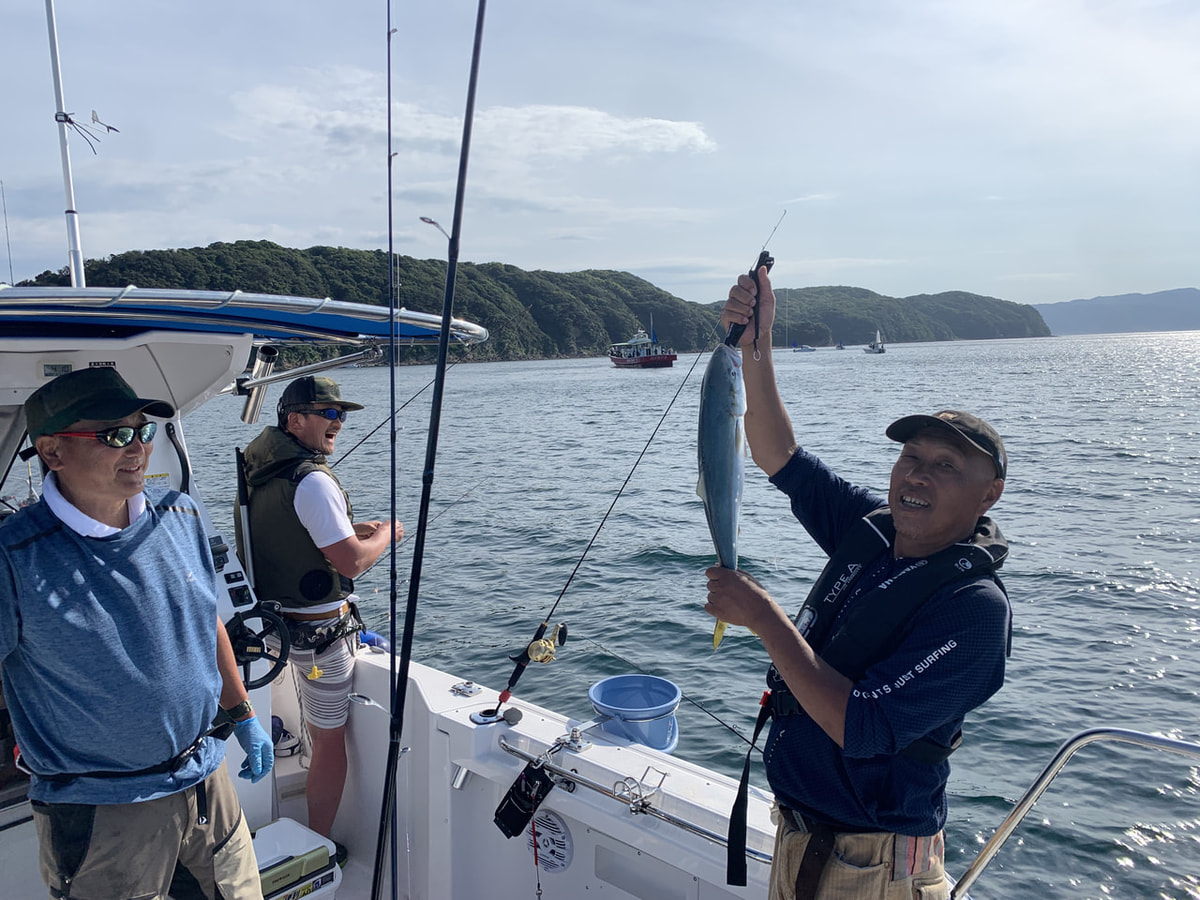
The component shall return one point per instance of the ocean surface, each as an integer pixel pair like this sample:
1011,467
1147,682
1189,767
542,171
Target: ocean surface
1102,511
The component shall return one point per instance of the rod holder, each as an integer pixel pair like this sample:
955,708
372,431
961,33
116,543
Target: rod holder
264,362
459,781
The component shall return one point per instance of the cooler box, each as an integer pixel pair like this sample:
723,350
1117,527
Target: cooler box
295,862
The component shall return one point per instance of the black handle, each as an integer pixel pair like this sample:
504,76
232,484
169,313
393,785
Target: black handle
735,331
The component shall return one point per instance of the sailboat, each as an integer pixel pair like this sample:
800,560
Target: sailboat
876,346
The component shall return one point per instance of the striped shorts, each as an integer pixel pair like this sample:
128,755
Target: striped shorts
326,680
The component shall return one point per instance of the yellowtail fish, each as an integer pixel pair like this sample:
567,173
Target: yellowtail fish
721,453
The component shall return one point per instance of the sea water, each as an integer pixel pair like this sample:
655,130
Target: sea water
540,462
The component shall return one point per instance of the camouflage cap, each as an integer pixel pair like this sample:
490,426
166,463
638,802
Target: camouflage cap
310,390
98,393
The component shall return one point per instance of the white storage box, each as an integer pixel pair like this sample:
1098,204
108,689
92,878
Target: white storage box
295,862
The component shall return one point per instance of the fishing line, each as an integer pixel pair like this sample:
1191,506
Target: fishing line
391,418
388,821
461,497
696,703
524,658
620,491
399,676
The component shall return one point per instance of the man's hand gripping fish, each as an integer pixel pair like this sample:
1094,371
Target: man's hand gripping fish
721,451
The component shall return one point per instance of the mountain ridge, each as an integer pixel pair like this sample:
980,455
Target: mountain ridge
1177,309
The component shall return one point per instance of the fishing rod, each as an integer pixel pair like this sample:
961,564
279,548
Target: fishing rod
399,677
541,649
764,259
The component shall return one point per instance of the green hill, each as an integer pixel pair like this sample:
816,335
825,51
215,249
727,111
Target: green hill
537,315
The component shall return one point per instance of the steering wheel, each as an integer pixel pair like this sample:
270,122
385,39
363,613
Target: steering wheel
250,646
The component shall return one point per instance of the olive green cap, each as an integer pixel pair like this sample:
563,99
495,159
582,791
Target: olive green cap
93,393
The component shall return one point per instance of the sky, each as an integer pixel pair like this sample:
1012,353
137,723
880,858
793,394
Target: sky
1032,150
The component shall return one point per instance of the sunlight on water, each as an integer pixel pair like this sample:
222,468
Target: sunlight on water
1104,574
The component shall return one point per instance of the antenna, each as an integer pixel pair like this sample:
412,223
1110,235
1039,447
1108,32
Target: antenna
63,118
4,203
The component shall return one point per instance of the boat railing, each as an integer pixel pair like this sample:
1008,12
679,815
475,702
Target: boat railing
1065,752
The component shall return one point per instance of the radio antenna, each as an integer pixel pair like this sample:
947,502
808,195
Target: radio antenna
8,246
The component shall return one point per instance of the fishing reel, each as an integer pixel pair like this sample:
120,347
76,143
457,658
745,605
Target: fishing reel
540,650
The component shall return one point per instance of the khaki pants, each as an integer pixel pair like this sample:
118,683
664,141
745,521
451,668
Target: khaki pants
129,851
875,866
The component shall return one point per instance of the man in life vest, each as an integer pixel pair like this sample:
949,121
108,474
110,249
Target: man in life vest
306,548
906,630
115,662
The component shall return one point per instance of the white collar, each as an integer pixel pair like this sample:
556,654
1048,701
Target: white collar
81,522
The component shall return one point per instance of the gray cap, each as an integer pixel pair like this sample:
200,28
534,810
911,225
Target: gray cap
974,430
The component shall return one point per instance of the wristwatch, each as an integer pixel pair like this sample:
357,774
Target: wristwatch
242,711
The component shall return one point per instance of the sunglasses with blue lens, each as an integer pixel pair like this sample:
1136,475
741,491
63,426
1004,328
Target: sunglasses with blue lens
121,436
330,414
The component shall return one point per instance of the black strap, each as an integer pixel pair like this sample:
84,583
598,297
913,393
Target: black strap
735,842
816,855
201,804
319,638
221,733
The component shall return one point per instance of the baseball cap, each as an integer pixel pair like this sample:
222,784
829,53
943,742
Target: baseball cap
974,430
93,393
310,389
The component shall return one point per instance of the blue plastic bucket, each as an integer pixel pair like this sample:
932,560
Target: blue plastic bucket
641,707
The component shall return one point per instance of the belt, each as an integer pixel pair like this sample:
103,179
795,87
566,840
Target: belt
816,854
316,617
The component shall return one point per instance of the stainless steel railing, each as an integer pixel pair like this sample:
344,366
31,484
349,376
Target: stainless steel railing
1065,752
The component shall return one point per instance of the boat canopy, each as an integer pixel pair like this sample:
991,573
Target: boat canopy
177,345
81,312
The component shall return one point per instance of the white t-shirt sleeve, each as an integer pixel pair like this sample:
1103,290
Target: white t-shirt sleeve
322,509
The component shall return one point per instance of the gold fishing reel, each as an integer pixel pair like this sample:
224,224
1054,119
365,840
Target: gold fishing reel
542,649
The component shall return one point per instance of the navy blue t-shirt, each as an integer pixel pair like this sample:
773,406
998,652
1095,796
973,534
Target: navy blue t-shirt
949,661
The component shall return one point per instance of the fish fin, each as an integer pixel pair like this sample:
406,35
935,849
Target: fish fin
718,633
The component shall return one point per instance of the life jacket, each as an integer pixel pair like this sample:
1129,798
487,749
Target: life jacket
288,567
869,631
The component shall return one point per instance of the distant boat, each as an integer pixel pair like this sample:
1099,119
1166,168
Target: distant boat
804,348
642,351
876,346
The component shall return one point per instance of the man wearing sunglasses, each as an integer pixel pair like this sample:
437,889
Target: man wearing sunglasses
115,661
306,548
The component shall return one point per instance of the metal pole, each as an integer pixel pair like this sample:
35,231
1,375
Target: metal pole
75,250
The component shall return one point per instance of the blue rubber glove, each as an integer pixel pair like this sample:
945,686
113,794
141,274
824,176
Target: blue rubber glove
260,755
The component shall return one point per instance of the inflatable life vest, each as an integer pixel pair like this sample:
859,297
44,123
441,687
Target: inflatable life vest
288,567
869,631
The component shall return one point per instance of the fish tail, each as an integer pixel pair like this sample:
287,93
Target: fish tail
718,633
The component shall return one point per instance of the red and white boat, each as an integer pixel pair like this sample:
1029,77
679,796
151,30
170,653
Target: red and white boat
642,351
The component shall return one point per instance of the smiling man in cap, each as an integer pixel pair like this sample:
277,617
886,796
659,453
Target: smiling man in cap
115,662
905,631
306,549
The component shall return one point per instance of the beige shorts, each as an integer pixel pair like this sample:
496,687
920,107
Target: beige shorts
876,866
131,851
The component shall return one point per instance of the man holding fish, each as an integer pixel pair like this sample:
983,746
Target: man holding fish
905,632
